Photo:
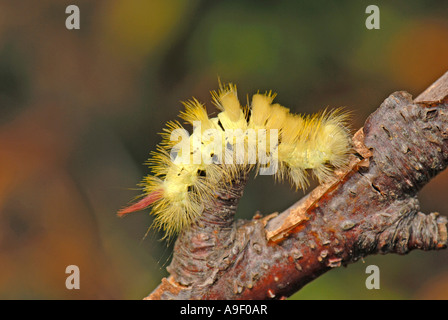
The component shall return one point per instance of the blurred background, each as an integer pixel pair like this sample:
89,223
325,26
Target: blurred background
80,110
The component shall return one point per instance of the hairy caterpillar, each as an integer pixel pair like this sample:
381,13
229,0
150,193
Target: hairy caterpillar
189,169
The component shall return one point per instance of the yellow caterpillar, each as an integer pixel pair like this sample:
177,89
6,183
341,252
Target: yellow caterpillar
189,169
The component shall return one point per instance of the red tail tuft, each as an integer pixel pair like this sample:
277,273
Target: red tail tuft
142,204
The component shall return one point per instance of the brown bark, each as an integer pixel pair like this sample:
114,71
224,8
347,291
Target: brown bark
370,208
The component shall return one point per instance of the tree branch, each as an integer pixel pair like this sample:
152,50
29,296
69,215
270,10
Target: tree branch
370,208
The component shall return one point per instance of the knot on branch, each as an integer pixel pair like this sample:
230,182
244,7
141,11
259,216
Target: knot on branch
409,143
401,228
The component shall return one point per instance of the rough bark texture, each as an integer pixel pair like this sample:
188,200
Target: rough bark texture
370,208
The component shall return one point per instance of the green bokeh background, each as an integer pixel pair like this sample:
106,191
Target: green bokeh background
80,110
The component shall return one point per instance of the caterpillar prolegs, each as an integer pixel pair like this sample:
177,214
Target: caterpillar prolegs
188,169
